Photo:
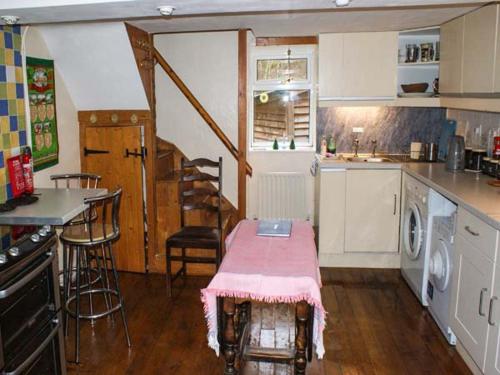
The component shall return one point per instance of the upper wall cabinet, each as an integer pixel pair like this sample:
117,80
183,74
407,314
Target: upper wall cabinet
452,46
470,62
358,66
480,38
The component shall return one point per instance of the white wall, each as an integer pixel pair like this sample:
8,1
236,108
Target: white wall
67,121
97,63
208,65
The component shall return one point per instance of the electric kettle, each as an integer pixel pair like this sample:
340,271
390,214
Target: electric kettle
455,159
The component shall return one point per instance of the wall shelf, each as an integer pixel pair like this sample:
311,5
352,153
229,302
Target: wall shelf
427,64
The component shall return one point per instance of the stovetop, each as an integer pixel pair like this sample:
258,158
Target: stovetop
19,243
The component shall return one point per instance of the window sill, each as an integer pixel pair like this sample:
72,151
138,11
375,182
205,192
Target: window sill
307,149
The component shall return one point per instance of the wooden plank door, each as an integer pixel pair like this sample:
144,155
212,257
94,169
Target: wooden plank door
118,170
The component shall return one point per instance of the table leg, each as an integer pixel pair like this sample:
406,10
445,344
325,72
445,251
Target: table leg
310,333
301,317
229,342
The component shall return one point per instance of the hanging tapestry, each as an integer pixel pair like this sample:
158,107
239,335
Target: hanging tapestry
42,100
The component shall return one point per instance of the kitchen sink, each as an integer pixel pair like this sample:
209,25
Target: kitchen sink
369,159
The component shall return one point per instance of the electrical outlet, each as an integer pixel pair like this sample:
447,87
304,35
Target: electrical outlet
358,130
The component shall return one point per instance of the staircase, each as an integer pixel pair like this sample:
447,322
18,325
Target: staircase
168,161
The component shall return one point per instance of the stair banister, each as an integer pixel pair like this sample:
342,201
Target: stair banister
199,108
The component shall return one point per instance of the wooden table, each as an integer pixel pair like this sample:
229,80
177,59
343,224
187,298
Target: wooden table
265,269
54,207
236,334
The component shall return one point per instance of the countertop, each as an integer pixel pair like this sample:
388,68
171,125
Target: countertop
463,188
466,189
54,207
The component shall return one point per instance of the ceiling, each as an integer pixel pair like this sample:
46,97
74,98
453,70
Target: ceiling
265,17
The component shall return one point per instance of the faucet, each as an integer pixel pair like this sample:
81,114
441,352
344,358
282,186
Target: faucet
374,145
356,146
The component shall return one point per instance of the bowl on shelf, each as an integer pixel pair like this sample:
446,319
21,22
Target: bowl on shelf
415,87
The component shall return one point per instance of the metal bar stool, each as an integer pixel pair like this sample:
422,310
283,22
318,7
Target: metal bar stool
79,181
97,236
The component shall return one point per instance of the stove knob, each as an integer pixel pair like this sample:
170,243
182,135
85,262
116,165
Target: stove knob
14,251
47,228
35,238
3,258
42,232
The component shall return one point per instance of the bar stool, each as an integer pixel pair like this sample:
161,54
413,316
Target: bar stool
94,236
78,181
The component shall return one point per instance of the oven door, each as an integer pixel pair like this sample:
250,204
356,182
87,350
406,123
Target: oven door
40,355
30,332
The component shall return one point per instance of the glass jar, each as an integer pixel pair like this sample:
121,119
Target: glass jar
478,154
426,52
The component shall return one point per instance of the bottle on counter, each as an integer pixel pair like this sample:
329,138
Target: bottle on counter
332,147
27,163
323,146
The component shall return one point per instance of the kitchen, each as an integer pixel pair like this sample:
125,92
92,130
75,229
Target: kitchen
277,86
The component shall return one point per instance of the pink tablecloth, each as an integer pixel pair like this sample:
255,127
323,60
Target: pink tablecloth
269,269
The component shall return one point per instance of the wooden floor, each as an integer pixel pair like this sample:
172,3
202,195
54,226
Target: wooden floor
375,326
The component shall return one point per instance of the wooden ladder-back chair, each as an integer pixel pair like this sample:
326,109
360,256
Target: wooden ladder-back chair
193,197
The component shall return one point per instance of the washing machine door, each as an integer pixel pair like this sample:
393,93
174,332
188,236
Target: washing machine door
440,265
413,231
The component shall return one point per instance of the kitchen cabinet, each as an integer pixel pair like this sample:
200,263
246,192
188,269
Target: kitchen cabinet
332,192
358,66
451,64
480,38
471,292
372,211
493,349
358,219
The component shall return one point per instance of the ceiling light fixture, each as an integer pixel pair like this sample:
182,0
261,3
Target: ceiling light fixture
342,3
166,10
10,20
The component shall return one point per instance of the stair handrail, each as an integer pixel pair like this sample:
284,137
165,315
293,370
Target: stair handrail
198,107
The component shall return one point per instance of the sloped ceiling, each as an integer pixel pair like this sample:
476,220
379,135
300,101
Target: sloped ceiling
97,64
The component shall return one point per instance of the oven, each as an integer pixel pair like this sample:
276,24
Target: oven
31,337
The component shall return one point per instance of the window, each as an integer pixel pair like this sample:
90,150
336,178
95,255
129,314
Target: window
282,97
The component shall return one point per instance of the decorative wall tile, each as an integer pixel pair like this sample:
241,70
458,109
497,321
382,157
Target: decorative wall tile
12,121
394,128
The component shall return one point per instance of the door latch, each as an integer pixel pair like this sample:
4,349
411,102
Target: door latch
142,153
88,151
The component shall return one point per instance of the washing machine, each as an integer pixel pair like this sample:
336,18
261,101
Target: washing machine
440,273
413,236
420,205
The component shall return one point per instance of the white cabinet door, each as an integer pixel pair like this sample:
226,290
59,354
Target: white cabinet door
479,50
496,87
372,211
332,211
451,65
472,280
358,65
370,65
330,64
493,351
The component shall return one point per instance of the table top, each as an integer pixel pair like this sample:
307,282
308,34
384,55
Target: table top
54,207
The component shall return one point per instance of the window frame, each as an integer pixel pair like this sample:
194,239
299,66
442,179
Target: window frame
281,52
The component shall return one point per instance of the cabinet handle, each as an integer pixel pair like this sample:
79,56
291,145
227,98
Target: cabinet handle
475,234
395,199
490,311
481,297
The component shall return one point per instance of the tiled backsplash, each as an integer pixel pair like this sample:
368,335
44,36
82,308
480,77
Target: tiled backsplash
394,128
12,117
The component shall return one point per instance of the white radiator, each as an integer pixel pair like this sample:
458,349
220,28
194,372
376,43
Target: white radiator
282,195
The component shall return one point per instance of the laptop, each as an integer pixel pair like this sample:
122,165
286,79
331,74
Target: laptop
274,228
